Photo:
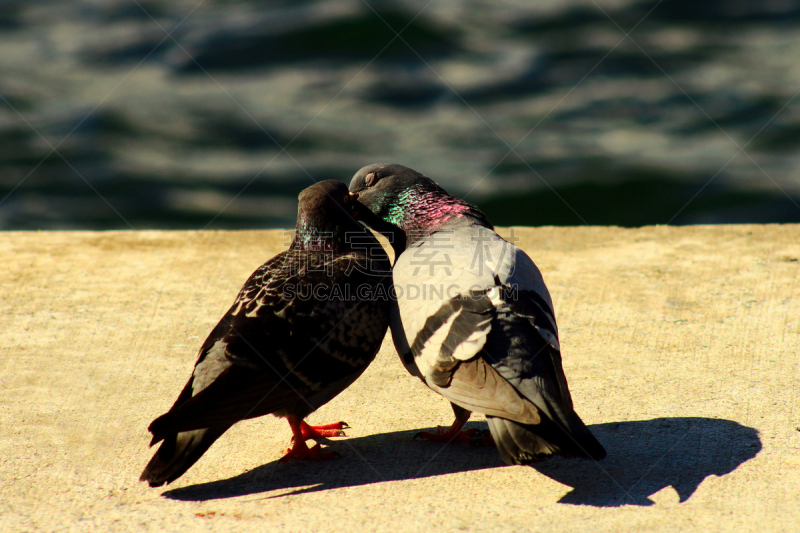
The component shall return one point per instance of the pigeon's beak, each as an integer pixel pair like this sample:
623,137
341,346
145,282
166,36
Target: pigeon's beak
354,203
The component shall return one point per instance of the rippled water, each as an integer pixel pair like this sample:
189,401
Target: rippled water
216,113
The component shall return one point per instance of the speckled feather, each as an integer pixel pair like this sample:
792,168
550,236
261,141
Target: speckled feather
298,333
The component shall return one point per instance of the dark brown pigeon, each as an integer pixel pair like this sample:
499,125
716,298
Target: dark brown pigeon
305,325
473,319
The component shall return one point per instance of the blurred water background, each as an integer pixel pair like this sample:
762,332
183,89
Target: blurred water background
216,113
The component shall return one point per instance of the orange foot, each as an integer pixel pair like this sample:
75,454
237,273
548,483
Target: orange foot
301,451
471,436
328,430
302,431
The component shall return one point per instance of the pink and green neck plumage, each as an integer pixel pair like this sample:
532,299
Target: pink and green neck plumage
312,236
420,211
329,231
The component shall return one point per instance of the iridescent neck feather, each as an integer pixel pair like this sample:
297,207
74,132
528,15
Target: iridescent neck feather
419,212
316,234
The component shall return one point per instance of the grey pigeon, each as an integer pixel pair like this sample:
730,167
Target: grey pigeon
473,318
301,330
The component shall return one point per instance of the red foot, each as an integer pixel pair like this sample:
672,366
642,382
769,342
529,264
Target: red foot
328,430
482,437
302,431
448,434
301,451
471,436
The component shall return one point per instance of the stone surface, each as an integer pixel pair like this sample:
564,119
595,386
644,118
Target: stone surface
680,345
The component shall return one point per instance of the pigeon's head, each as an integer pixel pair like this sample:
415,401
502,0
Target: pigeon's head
325,216
385,194
400,199
327,197
387,190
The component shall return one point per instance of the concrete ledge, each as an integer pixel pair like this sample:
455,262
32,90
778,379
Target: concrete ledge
680,345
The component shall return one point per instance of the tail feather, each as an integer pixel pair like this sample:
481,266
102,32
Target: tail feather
178,453
528,443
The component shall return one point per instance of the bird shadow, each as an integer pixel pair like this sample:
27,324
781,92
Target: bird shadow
643,458
648,455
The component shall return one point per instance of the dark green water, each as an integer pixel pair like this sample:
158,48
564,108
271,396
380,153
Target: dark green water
215,114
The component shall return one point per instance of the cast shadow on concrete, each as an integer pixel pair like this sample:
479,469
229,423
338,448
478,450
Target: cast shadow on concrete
648,455
643,457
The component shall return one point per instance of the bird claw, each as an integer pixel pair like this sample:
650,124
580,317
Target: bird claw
314,453
471,436
428,435
320,432
446,435
481,437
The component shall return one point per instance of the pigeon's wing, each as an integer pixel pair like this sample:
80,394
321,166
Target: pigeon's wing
476,316
432,281
493,348
516,373
520,350
294,338
444,294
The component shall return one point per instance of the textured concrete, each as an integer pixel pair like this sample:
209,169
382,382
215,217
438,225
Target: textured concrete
680,346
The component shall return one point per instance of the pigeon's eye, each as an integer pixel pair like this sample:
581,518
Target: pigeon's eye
370,179
346,199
